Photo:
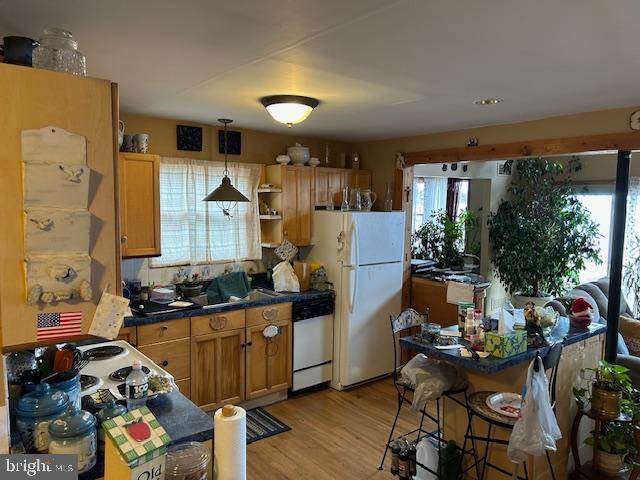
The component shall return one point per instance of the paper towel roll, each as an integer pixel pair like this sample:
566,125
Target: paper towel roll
230,443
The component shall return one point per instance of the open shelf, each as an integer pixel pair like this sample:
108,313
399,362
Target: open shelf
270,217
269,190
269,244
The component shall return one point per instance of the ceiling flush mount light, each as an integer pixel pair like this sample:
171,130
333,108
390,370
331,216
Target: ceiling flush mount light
289,109
226,196
488,101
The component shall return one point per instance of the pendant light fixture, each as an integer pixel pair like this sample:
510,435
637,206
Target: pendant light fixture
226,195
289,109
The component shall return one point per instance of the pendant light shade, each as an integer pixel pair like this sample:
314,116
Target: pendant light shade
289,109
226,195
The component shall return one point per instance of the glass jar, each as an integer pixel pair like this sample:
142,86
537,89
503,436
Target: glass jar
187,461
111,410
59,51
75,433
34,413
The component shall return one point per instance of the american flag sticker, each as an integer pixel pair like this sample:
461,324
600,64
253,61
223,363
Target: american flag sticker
56,325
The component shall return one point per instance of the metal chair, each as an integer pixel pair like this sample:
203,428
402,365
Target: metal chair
407,319
478,407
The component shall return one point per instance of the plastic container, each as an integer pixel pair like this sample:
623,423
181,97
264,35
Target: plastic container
75,433
111,410
187,461
34,413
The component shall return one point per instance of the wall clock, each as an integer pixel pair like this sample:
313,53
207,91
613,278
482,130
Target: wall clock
634,120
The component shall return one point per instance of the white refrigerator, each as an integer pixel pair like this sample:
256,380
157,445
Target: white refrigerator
363,255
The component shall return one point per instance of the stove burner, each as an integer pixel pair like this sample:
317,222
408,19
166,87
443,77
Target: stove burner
102,353
121,374
88,381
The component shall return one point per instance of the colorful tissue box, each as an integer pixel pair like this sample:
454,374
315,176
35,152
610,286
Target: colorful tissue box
507,345
135,446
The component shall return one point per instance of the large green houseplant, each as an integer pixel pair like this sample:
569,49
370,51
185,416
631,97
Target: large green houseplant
443,240
541,235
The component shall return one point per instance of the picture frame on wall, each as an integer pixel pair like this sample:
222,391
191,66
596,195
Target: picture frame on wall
189,138
235,142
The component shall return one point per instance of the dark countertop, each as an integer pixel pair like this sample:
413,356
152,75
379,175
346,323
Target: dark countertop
491,364
225,307
182,420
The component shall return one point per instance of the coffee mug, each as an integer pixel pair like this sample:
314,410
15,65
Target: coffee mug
120,133
18,50
141,142
128,143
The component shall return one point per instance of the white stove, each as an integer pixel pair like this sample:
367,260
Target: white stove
105,363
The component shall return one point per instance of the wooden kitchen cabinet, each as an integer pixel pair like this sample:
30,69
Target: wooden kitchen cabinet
269,361
295,204
173,356
357,179
328,186
140,204
129,335
218,368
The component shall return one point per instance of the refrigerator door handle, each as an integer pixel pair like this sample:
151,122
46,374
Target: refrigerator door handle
353,287
353,244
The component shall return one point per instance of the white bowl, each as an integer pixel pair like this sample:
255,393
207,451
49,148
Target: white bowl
299,154
283,159
314,162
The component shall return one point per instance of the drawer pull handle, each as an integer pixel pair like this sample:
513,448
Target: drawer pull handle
270,314
249,344
165,363
242,345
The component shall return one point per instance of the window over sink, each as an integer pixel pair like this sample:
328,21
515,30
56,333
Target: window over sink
196,232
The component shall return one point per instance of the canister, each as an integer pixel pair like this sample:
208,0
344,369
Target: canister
75,433
111,410
69,383
34,413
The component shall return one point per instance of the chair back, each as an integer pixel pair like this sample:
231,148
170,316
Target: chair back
552,361
407,319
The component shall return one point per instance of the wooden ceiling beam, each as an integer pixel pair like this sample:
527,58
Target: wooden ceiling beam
532,148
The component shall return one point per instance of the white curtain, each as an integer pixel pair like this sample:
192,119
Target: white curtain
432,197
196,232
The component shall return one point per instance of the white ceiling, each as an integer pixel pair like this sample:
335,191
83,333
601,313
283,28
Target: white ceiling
381,68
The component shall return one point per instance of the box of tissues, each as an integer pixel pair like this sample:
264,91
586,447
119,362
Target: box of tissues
506,345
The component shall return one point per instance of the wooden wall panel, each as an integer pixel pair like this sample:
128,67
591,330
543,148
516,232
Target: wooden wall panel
32,98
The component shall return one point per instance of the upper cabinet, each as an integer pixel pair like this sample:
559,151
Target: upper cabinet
294,205
140,204
330,182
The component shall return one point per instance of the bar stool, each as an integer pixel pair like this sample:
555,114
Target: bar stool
407,319
478,407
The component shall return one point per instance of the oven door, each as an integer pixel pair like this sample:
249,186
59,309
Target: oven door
312,351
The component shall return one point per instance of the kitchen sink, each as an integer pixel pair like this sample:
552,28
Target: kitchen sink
255,294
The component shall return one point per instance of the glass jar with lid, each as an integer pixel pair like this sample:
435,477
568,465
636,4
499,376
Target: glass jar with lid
75,433
34,413
59,51
187,461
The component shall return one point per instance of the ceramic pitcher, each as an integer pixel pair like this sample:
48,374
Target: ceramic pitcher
368,198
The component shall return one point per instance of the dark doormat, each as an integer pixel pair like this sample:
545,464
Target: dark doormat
261,424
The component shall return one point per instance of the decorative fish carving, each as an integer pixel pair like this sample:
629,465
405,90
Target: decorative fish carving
45,224
62,273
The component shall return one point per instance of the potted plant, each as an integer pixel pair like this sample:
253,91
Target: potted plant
442,239
611,382
615,442
191,287
541,235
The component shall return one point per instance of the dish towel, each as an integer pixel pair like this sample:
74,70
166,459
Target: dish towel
234,284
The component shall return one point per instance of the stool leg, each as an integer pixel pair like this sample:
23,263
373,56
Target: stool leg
470,430
553,475
393,427
526,474
486,453
421,422
439,438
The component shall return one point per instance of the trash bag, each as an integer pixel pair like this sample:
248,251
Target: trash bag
284,278
429,378
536,430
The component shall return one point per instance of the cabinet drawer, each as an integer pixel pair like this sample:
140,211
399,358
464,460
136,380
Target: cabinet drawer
218,322
163,331
268,314
184,386
173,356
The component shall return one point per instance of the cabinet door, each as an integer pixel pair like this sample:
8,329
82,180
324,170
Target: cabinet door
304,201
335,186
289,204
129,335
140,204
363,179
323,192
268,360
218,368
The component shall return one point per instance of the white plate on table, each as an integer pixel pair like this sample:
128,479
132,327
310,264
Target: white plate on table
505,403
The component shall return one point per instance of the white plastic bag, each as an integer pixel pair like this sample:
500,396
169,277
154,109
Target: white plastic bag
284,278
537,428
427,455
429,377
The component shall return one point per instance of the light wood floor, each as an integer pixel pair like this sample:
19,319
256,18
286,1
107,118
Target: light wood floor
334,435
